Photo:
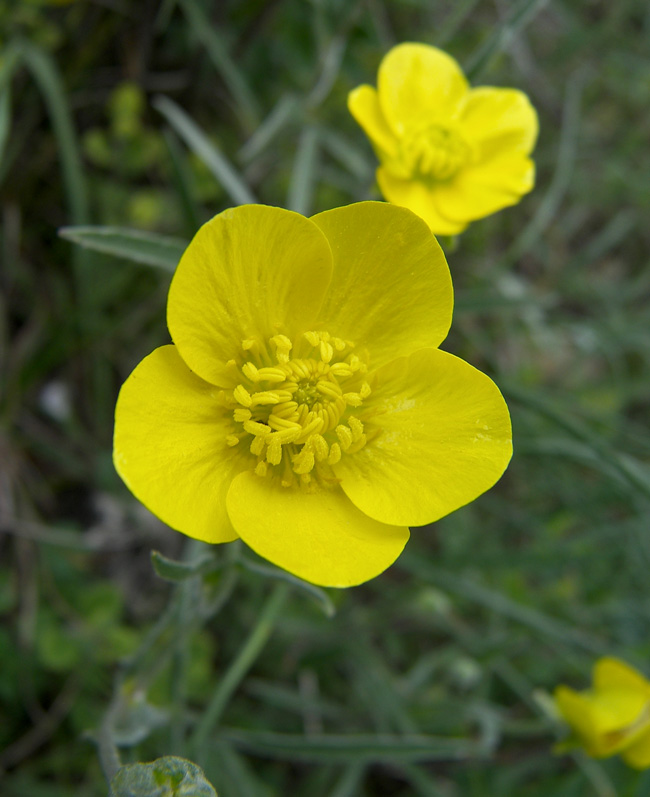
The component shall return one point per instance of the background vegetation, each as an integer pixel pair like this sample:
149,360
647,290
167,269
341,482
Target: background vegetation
434,678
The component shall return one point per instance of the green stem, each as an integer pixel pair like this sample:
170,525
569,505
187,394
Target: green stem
109,756
239,667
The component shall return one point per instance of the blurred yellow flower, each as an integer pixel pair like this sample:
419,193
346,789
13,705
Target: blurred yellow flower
613,716
449,153
305,406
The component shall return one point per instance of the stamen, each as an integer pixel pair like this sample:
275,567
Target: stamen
274,449
326,351
271,374
242,396
319,444
353,399
265,397
253,427
250,371
304,461
344,435
335,454
328,389
282,347
297,419
356,427
257,446
341,369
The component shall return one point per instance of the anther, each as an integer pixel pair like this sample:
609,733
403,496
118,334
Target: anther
241,414
248,344
232,440
319,444
261,468
257,445
265,397
334,455
250,372
274,449
344,435
353,399
356,427
282,347
253,427
242,396
326,351
304,461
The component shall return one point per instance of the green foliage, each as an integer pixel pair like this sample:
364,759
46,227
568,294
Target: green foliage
165,777
130,129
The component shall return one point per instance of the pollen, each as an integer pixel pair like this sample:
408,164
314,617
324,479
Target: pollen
293,406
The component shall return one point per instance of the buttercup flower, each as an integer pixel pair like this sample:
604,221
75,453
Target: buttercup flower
613,716
449,153
305,406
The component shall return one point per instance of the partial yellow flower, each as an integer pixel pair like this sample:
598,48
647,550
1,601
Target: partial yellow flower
449,153
305,406
613,716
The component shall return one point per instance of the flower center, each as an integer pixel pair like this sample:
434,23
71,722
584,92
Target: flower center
293,413
433,152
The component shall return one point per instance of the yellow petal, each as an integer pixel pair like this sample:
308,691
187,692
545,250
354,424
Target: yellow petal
577,711
637,755
419,84
481,189
611,673
391,289
320,537
442,438
418,197
363,104
170,446
250,273
617,710
499,121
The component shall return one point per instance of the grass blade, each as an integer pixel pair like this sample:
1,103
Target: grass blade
232,182
303,176
347,748
140,247
217,51
524,13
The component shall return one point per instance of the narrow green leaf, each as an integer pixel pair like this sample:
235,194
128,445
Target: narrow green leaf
5,117
233,77
501,604
318,594
561,178
183,181
303,176
522,14
232,182
49,82
171,570
346,748
148,248
282,114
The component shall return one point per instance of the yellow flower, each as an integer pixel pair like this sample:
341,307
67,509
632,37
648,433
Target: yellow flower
613,716
449,153
305,406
